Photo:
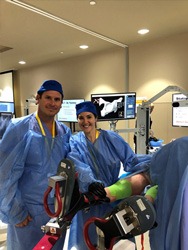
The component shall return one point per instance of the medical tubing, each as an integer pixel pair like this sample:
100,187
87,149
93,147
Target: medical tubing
142,241
59,201
86,234
85,200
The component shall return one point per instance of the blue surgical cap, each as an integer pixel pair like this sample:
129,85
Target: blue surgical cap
51,85
86,106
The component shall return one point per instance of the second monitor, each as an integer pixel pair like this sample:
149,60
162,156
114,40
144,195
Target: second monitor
115,106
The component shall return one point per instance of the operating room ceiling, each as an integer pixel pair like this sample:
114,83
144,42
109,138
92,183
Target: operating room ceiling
42,31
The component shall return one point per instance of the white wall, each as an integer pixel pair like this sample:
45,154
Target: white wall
153,66
104,72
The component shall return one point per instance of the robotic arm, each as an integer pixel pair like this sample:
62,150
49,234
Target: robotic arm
68,201
133,216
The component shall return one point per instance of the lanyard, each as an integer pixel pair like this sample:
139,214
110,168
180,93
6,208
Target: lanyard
49,145
97,134
42,129
93,154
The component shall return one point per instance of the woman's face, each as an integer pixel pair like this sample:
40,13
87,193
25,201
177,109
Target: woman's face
87,122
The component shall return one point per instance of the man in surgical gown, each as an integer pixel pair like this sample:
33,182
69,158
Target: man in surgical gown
98,155
30,152
169,170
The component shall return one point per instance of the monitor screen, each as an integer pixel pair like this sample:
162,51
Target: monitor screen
5,118
6,86
67,112
7,107
179,114
120,106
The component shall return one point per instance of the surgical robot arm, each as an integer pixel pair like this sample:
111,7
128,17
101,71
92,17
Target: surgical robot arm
131,217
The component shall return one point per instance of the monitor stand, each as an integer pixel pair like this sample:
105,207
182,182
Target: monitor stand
113,125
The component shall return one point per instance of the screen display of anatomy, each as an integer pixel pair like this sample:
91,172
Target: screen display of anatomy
67,112
179,111
120,106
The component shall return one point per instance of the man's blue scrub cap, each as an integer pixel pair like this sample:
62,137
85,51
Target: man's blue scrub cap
86,106
51,85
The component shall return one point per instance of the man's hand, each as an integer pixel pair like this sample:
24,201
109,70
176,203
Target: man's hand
24,222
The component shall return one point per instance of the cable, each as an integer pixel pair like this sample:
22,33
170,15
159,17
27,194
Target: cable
59,201
86,233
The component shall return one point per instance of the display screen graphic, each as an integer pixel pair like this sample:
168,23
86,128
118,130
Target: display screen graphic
179,113
120,106
67,112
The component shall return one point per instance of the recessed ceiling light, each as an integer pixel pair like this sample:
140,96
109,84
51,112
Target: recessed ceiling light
143,31
84,46
22,62
92,2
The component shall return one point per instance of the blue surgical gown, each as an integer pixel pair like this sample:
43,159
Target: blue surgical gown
100,161
169,169
27,160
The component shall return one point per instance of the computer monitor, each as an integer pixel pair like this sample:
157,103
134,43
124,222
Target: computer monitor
5,118
7,107
115,106
179,113
67,112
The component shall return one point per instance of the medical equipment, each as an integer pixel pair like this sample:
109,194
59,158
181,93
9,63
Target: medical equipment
115,106
132,216
143,116
143,120
62,184
180,104
179,110
29,101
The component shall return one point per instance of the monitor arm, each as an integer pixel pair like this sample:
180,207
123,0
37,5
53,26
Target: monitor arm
143,117
163,92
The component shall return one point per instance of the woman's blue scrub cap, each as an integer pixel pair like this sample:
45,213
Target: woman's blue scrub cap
86,106
51,85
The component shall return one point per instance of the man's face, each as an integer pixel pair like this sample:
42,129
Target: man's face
49,103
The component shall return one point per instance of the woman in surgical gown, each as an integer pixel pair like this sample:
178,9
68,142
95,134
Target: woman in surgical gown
29,154
169,170
98,155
